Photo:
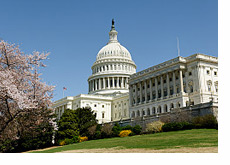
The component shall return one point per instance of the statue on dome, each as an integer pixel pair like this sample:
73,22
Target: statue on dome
112,21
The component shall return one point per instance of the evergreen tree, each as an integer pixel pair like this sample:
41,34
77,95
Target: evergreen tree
86,118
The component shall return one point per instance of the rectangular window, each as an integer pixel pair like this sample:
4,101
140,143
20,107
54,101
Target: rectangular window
103,115
215,73
208,71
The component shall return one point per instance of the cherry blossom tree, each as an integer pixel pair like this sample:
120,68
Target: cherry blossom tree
24,98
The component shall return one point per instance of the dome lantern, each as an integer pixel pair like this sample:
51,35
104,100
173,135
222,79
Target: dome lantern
113,34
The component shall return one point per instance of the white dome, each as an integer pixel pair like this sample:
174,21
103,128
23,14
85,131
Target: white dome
112,68
113,50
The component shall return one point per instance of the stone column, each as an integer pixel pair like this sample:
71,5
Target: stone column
117,82
213,86
89,87
93,84
96,84
150,88
130,95
181,82
127,82
99,83
168,89
122,80
199,78
140,92
162,88
108,83
135,93
145,82
174,83
156,88
104,83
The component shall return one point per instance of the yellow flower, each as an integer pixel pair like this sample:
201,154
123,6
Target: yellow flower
125,133
84,138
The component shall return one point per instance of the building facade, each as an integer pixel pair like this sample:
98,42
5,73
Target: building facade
176,83
117,92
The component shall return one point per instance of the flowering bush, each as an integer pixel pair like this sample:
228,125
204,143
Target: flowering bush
84,138
155,126
62,143
125,133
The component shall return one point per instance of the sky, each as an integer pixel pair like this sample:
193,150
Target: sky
73,32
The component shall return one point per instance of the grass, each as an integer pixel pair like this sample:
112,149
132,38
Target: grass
165,140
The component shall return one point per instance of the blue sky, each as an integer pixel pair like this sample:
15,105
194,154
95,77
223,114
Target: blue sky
74,31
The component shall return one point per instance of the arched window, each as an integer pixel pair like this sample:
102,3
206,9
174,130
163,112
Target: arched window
143,112
159,109
171,106
148,111
178,104
133,114
153,110
187,103
138,113
165,108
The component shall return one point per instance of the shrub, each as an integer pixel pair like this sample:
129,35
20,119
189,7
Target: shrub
125,133
137,129
82,139
92,130
174,126
154,127
207,121
106,130
62,143
68,141
127,127
97,135
116,129
76,139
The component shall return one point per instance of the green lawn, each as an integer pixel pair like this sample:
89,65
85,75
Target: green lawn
164,140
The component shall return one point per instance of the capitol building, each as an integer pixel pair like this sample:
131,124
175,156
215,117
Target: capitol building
116,92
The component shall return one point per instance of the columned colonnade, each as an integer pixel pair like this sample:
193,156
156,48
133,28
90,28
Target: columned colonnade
108,83
157,88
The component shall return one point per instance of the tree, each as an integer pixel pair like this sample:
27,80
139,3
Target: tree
68,126
74,123
24,99
85,119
